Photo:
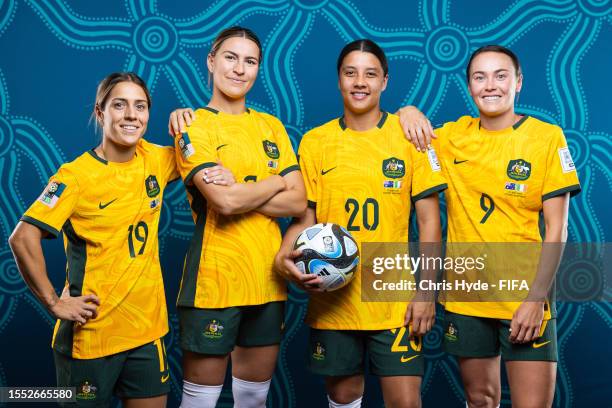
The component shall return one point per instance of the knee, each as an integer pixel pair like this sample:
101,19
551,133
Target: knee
485,396
403,402
249,394
482,398
345,395
345,390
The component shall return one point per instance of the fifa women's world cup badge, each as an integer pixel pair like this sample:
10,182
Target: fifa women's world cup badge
52,193
519,169
214,329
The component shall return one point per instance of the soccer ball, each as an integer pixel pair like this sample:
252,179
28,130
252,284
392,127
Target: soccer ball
330,252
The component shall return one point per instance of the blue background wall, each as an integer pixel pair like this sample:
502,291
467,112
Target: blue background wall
54,53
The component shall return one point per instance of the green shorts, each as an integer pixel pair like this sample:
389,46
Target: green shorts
218,331
141,372
479,337
343,352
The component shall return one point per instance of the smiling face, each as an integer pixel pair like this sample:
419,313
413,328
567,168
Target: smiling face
234,66
493,83
361,82
125,114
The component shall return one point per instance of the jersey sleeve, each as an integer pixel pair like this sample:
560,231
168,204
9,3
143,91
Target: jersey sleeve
427,177
288,161
195,150
307,156
168,164
561,176
56,203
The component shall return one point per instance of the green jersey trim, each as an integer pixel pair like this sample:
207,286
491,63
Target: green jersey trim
430,191
43,226
191,268
76,257
197,168
573,190
289,170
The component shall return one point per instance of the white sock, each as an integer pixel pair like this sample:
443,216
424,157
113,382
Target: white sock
354,404
467,406
200,396
249,394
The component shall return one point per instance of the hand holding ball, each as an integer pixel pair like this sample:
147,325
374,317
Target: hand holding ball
330,252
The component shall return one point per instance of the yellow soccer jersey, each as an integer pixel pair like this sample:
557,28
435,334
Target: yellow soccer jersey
364,181
230,257
497,182
109,214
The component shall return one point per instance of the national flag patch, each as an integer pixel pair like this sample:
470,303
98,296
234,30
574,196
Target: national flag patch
392,184
521,188
273,164
52,193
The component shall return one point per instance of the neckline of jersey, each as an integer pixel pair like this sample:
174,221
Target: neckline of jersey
228,115
95,155
504,131
379,125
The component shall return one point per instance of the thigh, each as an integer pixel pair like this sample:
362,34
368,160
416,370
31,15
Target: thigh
335,352
470,336
531,367
204,369
544,348
394,353
481,378
94,379
532,383
145,372
255,363
209,331
401,391
261,325
153,402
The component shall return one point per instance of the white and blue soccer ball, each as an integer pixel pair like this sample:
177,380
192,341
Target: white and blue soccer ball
329,251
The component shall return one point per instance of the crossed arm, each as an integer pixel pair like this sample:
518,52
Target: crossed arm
275,196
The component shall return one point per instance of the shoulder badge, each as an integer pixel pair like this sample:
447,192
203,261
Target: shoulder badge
185,145
52,193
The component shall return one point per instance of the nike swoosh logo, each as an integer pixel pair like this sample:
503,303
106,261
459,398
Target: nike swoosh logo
165,378
220,146
538,345
406,359
324,172
459,161
103,206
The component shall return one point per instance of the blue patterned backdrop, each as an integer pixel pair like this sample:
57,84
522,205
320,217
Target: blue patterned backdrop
54,53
